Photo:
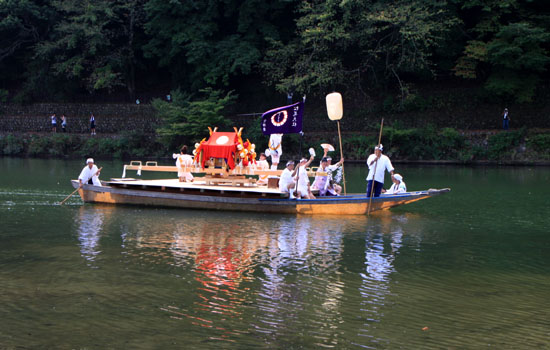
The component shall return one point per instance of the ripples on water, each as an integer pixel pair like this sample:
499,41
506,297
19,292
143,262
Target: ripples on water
435,276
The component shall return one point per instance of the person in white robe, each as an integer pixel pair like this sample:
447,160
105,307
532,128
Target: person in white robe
303,187
275,149
90,174
262,164
183,162
322,180
381,163
286,181
398,185
333,185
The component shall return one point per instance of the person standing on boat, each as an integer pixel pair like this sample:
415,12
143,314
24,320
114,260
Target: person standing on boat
262,164
303,188
184,161
398,185
286,182
330,169
275,149
89,174
381,163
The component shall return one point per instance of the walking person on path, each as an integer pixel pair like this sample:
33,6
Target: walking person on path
54,122
92,123
505,119
64,123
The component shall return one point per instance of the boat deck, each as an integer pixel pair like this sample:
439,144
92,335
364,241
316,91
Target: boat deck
198,184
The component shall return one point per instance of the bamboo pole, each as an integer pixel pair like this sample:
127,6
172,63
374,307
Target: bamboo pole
375,166
341,157
69,196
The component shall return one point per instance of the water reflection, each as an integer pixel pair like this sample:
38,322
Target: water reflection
242,275
90,225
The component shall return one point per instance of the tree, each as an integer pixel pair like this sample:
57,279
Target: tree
23,24
93,43
508,49
367,43
208,42
187,118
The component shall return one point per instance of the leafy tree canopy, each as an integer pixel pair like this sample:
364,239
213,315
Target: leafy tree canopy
187,118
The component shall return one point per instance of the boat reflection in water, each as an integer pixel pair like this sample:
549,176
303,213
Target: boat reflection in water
90,226
262,274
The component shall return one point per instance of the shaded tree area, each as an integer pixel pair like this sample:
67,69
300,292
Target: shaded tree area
117,50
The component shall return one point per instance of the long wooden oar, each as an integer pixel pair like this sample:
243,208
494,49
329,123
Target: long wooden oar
69,196
375,165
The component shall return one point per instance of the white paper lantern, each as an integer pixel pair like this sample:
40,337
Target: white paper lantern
335,109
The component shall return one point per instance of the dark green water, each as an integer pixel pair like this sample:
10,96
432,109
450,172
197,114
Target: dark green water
472,266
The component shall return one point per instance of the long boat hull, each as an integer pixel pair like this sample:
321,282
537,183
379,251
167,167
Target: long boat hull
154,193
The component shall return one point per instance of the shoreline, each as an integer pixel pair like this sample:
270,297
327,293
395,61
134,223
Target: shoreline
473,163
147,146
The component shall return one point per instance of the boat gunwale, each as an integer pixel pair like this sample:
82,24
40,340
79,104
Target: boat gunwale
353,198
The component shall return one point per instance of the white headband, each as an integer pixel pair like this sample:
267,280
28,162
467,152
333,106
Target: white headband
89,160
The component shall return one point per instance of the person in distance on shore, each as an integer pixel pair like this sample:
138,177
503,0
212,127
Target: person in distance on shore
53,119
92,123
382,163
505,119
63,122
89,174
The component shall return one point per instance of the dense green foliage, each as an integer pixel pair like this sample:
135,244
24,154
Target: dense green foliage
185,121
400,144
72,50
128,145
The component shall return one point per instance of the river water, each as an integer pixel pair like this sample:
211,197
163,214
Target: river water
466,270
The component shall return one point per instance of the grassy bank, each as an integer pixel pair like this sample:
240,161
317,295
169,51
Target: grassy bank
413,144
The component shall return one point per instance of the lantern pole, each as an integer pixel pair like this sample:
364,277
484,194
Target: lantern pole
335,110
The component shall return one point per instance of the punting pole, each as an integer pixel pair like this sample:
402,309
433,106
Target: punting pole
69,196
375,165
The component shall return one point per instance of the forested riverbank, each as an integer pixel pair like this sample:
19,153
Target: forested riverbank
435,71
398,55
520,147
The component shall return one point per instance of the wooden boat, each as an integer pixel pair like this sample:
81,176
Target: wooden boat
227,181
236,197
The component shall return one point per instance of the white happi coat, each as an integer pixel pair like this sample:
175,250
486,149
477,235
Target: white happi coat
262,165
384,164
395,189
321,182
86,173
184,160
303,181
285,180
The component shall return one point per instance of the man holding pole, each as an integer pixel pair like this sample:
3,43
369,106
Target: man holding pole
378,164
90,173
